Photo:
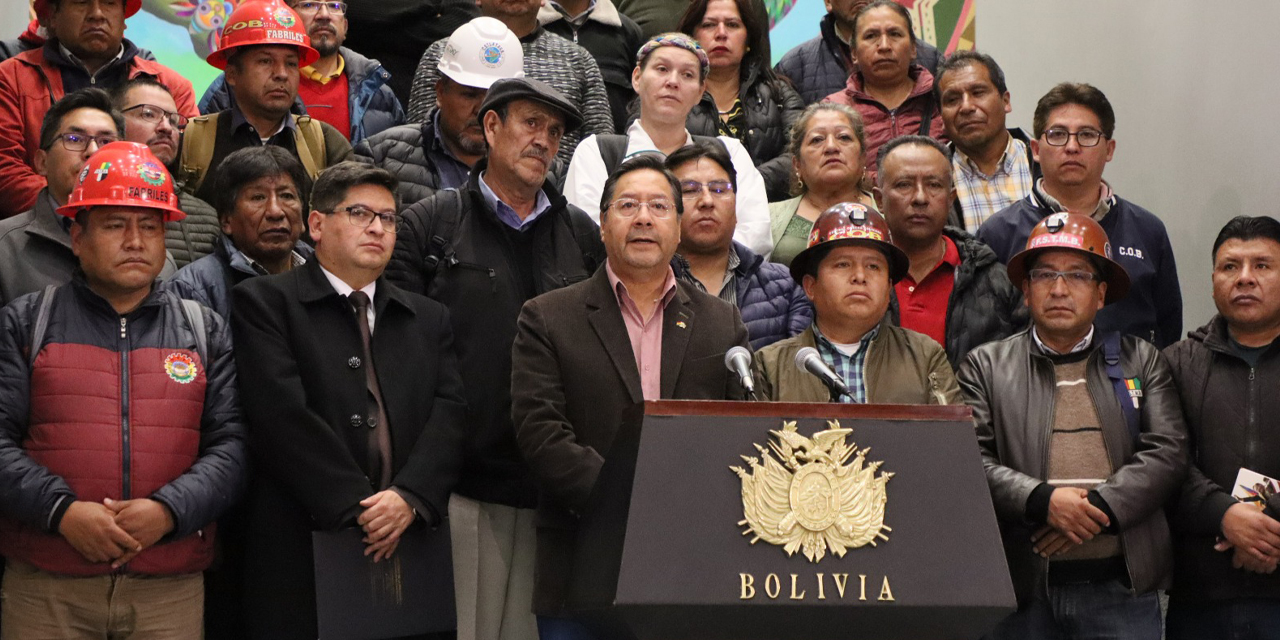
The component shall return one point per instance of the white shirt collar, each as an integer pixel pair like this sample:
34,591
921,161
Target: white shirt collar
638,140
345,290
1079,346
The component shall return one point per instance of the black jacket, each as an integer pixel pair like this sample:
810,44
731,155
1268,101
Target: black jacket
1010,386
485,277
771,107
305,402
402,151
613,40
1231,411
984,306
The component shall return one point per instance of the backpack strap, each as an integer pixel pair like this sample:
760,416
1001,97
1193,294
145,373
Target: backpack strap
926,118
310,144
613,149
1128,397
441,234
198,140
195,319
41,325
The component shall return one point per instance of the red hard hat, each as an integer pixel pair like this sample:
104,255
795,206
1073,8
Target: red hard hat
850,223
124,174
263,22
130,7
1075,232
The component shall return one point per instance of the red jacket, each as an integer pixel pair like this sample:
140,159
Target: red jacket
881,124
29,85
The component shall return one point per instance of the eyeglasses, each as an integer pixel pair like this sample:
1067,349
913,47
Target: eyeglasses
79,141
362,216
152,114
336,8
1074,279
1085,137
630,208
690,189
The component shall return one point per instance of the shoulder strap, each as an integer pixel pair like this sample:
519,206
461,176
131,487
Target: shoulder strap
195,319
198,140
926,118
310,144
40,326
440,236
1129,404
613,148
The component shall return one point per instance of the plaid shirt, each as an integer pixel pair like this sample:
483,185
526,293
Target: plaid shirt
728,288
851,368
981,196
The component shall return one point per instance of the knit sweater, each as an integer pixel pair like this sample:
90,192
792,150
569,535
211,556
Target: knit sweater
547,57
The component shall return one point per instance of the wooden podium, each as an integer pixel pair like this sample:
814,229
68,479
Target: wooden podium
665,551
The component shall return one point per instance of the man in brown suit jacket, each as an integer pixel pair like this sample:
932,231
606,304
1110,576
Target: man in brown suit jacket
586,353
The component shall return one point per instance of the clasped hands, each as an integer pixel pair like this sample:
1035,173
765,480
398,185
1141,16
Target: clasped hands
385,518
1072,521
116,530
1253,536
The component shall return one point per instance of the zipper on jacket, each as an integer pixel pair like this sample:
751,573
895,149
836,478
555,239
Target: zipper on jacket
493,275
124,408
1252,438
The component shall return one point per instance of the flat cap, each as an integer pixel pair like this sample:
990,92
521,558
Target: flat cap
508,89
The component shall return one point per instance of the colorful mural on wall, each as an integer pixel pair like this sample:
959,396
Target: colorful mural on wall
182,32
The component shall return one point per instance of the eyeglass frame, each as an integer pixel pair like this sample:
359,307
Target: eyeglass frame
1072,278
169,115
101,141
643,205
341,11
1074,134
705,187
392,227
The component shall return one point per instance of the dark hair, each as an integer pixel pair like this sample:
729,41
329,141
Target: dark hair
802,125
120,93
332,184
962,59
1085,95
650,161
253,163
82,99
1248,228
757,25
704,149
915,140
876,4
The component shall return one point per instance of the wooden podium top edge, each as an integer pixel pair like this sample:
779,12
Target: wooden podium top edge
808,410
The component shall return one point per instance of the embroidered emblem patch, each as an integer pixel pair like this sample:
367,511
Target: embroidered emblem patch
180,367
1134,386
491,54
151,173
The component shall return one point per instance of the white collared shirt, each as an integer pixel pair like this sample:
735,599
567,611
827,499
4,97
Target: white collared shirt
345,290
1079,346
584,184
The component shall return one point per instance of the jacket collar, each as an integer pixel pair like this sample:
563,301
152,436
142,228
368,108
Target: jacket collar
921,75
46,223
96,302
554,197
359,68
1215,338
314,287
238,261
827,29
604,13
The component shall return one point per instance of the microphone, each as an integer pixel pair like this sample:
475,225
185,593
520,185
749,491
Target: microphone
807,359
738,361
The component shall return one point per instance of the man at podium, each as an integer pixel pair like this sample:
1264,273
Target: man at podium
848,271
587,353
1083,441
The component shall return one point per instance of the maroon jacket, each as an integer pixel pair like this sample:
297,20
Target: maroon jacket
881,124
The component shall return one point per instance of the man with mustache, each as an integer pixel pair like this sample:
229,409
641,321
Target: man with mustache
1083,442
587,354
1226,548
848,271
1074,126
86,49
955,290
439,152
341,88
482,250
151,118
772,306
261,59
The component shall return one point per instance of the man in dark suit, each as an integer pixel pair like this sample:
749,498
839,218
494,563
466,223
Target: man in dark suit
354,407
586,353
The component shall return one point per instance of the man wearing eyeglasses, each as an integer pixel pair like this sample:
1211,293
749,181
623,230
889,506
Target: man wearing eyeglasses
353,402
341,88
35,246
151,118
586,354
772,305
1083,441
1074,126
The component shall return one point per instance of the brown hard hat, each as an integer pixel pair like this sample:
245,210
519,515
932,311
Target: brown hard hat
850,223
1073,232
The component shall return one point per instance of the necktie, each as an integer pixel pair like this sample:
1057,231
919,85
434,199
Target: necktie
379,429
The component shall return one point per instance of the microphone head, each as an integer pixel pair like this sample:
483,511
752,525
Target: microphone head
736,353
804,355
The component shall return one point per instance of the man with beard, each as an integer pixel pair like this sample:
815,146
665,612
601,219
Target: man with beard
151,118
341,88
439,153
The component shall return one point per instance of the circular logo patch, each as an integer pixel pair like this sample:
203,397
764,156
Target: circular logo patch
491,54
180,367
151,173
284,17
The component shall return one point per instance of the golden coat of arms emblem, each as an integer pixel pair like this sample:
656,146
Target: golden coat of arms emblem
805,494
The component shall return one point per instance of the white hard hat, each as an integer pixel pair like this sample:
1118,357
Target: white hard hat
482,52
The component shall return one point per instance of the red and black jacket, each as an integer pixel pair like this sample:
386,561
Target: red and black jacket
117,407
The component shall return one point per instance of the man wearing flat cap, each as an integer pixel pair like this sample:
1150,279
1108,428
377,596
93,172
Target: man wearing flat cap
1083,442
483,250
848,271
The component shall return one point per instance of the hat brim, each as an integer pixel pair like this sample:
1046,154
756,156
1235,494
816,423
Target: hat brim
1116,277
307,56
171,214
804,262
131,7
